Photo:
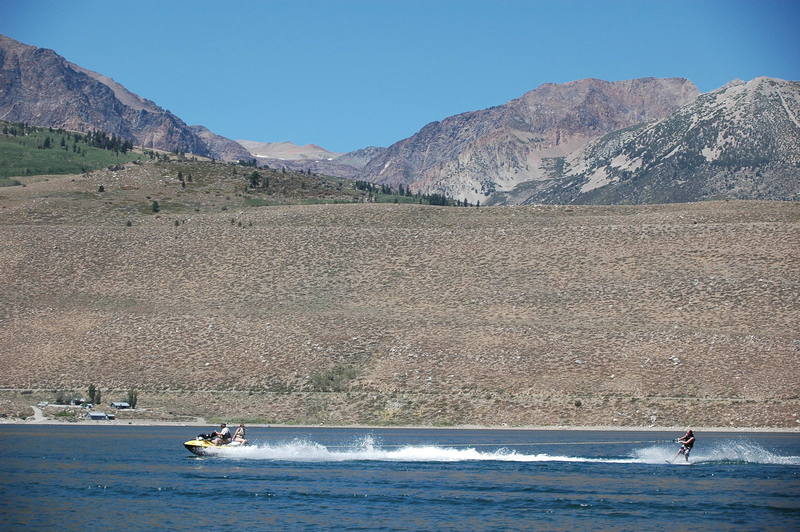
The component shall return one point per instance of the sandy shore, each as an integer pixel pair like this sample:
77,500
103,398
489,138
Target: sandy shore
201,423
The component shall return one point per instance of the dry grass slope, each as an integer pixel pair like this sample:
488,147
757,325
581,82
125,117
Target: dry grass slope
623,315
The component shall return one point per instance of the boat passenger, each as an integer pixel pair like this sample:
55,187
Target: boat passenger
238,435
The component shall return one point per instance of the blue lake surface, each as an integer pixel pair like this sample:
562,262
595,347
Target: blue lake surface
55,477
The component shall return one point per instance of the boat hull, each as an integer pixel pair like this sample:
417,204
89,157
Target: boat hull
205,447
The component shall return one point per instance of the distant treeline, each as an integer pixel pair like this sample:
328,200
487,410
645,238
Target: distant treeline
430,199
52,138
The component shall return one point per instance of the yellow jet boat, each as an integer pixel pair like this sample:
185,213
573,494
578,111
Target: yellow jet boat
203,445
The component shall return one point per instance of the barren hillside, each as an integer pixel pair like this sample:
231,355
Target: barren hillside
623,315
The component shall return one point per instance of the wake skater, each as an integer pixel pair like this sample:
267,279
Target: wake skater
687,442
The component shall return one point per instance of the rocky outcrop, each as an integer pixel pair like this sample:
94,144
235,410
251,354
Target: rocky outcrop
41,88
360,158
221,147
741,141
475,154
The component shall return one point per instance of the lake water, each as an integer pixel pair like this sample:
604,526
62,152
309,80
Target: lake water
141,478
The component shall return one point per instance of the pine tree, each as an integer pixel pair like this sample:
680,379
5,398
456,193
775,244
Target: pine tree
255,179
133,397
94,395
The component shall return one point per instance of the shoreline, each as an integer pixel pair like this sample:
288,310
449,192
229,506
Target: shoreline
565,428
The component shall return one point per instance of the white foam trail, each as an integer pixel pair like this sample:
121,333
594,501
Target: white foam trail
722,452
743,451
367,449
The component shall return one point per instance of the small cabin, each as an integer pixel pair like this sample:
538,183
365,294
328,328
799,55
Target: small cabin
119,405
100,416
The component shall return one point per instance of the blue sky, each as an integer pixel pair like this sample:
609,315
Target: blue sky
348,74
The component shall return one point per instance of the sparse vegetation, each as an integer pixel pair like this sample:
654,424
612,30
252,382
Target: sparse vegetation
64,398
333,380
69,414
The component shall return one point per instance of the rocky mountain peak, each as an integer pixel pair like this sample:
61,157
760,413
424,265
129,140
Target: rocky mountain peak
121,93
473,155
39,87
286,150
739,141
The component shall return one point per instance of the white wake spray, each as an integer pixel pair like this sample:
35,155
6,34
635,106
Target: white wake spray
367,449
730,452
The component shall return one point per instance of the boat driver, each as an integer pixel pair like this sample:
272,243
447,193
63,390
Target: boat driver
223,435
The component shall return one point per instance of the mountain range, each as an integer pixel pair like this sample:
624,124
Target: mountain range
645,140
311,157
41,88
474,154
287,150
741,141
